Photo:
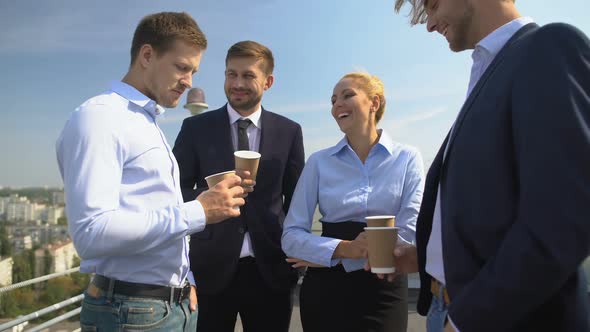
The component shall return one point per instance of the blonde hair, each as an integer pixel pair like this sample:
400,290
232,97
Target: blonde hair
372,86
418,12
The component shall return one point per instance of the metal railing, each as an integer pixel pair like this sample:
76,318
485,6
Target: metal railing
25,319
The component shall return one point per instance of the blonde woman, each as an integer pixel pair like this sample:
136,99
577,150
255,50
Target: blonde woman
366,173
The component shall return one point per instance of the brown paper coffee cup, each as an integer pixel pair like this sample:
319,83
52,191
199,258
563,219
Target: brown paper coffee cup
214,179
382,241
248,161
380,221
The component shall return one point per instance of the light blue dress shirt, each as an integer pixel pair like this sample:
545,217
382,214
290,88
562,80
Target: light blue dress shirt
124,206
390,182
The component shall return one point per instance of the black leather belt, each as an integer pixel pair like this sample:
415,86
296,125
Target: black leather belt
345,230
164,293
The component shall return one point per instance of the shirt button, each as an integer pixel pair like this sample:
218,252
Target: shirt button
241,230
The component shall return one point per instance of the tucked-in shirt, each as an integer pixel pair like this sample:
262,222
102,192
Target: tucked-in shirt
123,200
484,53
390,182
253,133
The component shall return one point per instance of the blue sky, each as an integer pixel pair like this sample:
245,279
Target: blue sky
56,54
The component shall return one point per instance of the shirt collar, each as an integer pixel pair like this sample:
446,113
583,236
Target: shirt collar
493,43
235,116
384,140
134,96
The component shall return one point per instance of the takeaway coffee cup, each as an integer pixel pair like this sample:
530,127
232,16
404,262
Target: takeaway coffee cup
380,221
381,241
214,179
248,161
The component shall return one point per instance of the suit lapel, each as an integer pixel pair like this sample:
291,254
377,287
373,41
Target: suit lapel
482,82
266,134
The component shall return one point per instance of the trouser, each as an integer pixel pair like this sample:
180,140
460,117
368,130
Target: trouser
102,311
261,308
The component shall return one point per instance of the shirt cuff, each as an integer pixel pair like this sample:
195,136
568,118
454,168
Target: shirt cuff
326,252
191,278
400,238
194,214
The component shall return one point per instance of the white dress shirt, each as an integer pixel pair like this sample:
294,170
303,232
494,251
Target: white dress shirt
125,210
253,132
482,56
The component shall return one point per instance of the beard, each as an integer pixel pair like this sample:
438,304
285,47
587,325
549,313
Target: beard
460,41
245,104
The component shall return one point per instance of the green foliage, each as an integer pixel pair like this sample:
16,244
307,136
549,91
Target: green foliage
17,302
47,262
62,221
29,299
40,195
23,266
5,245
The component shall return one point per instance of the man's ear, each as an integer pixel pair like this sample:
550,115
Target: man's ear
269,81
146,55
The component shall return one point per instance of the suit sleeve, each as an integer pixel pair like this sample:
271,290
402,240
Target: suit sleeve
188,162
550,236
294,167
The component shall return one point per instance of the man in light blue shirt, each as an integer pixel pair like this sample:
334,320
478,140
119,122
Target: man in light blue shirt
125,208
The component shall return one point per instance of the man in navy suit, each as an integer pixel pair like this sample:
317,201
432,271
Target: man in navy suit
505,220
239,267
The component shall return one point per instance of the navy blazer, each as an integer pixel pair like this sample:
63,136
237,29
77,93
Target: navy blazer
204,147
515,190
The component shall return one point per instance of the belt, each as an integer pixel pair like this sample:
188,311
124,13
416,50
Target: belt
164,293
435,288
345,230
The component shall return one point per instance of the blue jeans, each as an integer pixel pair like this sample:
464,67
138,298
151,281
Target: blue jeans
123,313
437,314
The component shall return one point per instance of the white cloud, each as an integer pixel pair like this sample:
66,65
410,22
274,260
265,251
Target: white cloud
411,119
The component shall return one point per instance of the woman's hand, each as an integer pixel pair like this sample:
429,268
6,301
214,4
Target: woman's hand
355,249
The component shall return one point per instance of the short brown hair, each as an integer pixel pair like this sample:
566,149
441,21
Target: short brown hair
372,86
161,30
248,48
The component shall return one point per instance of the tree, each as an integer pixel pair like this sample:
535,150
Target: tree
62,221
5,245
47,262
22,267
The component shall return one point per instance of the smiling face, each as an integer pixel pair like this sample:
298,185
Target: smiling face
454,19
245,83
352,108
167,75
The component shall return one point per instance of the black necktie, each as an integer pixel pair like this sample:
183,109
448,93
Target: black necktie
243,143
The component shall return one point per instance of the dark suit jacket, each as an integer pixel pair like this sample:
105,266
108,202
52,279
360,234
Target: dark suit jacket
515,190
204,147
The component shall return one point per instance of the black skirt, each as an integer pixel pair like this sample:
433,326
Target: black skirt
333,300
